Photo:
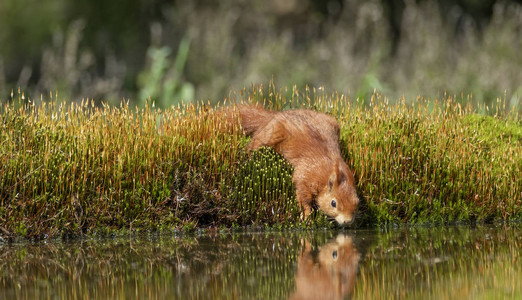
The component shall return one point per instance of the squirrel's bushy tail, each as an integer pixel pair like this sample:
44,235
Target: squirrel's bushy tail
254,117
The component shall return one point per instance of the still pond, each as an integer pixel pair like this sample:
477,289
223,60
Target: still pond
459,262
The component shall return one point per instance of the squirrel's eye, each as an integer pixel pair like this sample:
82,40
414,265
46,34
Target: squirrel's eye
334,204
334,254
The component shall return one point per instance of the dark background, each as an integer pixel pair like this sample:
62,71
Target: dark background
203,49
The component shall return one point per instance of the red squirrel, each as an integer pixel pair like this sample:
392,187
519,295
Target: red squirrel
309,140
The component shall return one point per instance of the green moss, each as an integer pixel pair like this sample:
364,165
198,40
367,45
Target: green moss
489,131
263,191
80,169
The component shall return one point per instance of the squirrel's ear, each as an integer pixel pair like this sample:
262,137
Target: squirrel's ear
338,175
341,175
333,179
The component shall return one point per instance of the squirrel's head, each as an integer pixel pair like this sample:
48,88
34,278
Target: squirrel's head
338,198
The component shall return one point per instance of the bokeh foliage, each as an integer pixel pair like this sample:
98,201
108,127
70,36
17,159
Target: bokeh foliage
109,50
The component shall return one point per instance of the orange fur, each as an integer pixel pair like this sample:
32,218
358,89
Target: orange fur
310,142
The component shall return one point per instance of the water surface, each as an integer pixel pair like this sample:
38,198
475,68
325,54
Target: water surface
418,263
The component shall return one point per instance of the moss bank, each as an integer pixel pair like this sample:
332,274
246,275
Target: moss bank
78,168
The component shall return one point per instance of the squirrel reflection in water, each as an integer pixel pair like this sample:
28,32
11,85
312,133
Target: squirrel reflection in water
329,275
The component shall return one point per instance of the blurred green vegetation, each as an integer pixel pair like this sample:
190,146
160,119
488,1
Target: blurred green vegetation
185,50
